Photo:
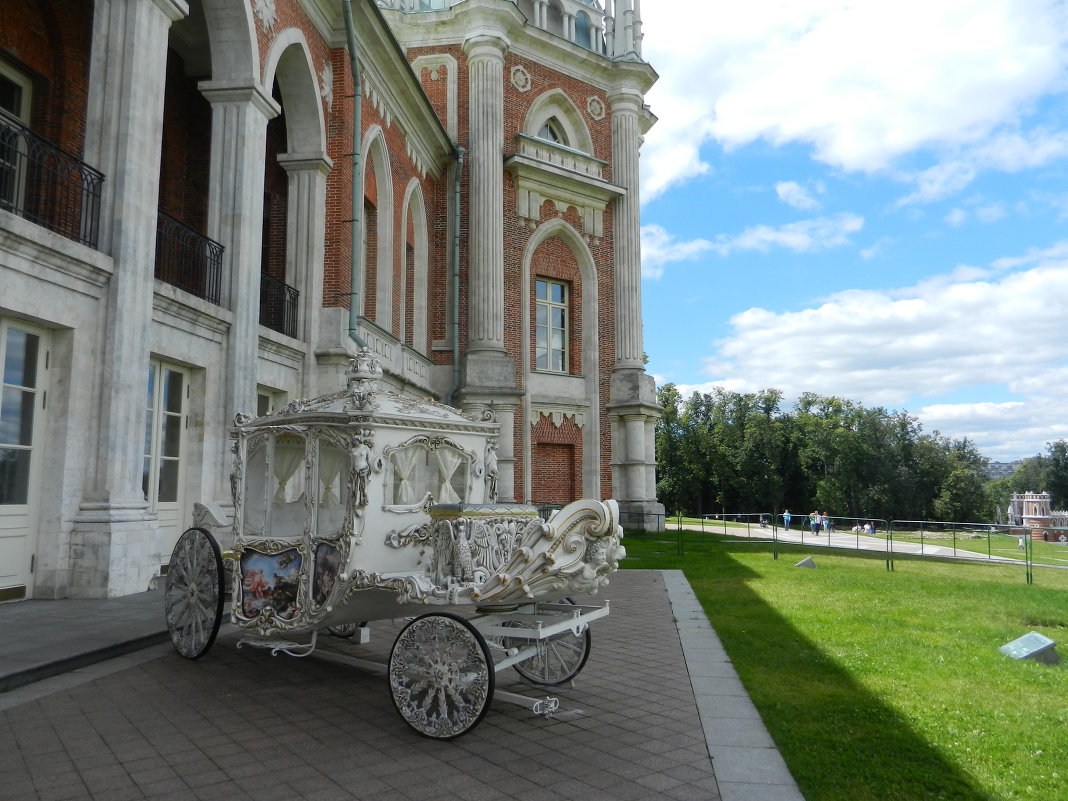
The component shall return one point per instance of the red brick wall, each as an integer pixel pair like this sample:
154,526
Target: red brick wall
49,42
185,159
556,460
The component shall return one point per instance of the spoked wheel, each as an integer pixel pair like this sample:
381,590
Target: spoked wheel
441,675
193,598
559,658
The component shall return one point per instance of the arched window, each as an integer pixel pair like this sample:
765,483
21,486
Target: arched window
583,29
553,131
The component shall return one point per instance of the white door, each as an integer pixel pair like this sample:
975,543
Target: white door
165,439
23,359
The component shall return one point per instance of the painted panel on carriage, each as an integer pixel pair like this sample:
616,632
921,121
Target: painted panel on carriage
270,580
327,567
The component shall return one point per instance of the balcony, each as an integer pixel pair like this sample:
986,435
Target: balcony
48,186
187,259
278,306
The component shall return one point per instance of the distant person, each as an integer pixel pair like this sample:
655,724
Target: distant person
827,522
786,519
873,528
867,528
815,521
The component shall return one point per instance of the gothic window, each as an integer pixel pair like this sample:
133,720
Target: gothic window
550,325
553,131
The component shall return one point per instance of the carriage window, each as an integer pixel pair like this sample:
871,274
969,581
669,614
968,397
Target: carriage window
418,470
254,493
333,488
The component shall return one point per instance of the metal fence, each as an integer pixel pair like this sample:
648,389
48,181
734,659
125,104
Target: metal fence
48,186
187,259
983,542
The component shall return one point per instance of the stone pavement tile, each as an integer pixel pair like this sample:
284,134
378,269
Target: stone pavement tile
241,724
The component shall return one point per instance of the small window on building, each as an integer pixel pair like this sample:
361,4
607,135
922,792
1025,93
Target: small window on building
550,326
553,132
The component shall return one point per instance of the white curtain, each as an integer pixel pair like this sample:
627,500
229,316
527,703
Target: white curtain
332,461
288,457
448,461
403,465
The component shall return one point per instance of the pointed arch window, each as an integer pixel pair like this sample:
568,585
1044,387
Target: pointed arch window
553,131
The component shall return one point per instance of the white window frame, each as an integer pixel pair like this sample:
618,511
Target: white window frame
544,300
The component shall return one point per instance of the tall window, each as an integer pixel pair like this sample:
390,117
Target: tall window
14,106
167,392
19,400
550,327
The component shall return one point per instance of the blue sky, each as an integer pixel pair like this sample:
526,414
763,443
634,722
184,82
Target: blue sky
863,199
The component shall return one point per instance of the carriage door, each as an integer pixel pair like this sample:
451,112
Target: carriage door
168,396
24,359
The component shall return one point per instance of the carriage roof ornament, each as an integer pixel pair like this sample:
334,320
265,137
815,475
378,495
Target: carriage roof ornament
363,374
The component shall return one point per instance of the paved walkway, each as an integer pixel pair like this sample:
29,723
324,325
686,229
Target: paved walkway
850,540
658,713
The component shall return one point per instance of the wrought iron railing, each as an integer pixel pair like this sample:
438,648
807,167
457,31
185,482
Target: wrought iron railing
187,259
48,186
278,306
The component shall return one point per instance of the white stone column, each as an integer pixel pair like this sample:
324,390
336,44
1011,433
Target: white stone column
235,218
113,549
305,248
633,393
485,65
626,141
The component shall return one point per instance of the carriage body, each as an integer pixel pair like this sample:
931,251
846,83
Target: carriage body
363,504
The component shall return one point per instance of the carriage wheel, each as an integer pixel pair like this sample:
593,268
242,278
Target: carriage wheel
441,675
559,658
193,598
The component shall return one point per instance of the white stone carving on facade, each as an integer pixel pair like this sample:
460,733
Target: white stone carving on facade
266,14
520,78
595,106
326,86
557,415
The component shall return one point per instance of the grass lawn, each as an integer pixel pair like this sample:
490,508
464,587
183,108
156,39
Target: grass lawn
888,685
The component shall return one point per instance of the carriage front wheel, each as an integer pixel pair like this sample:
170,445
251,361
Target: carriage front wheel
441,676
193,598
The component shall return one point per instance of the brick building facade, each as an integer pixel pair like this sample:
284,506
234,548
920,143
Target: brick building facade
220,201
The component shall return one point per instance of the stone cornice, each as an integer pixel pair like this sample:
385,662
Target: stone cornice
298,162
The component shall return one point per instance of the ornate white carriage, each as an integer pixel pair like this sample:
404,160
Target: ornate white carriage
364,505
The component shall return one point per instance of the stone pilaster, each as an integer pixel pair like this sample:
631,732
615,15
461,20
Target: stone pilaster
305,247
235,218
114,549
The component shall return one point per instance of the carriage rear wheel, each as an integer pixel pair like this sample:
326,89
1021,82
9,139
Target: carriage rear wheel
441,676
559,658
193,598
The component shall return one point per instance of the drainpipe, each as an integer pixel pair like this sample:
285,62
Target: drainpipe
456,277
357,200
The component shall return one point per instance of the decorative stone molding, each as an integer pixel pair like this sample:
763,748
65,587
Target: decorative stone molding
326,86
595,106
547,171
520,78
557,415
266,14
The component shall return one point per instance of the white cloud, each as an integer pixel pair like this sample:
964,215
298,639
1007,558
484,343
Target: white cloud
935,339
805,236
659,247
956,217
793,194
861,84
